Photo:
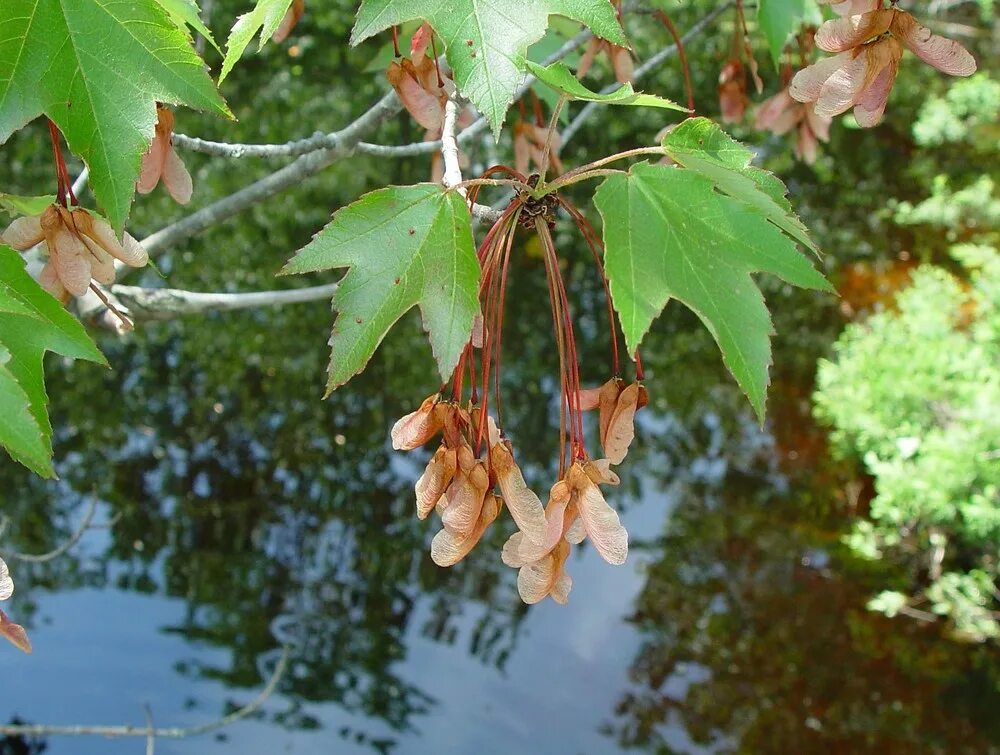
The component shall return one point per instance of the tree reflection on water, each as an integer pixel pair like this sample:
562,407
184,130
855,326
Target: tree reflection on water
755,632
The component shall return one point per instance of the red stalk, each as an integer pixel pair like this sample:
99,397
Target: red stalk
597,249
665,19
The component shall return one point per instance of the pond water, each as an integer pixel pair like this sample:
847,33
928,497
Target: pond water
236,513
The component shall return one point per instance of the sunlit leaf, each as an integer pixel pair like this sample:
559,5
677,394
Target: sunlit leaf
559,77
700,145
670,235
264,18
16,205
486,40
31,323
186,13
406,246
97,69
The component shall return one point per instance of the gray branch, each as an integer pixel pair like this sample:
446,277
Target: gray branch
168,303
149,732
286,177
63,547
334,141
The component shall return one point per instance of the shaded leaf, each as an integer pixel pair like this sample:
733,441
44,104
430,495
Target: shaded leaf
100,88
486,40
779,19
31,323
20,432
559,77
406,246
670,235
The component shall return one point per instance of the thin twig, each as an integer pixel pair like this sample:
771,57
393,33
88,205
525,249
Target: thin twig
449,144
64,546
174,732
167,303
81,180
150,728
320,141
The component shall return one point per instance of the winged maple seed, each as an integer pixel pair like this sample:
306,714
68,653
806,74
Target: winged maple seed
469,490
163,162
474,474
733,99
782,114
621,59
80,246
869,41
423,91
14,633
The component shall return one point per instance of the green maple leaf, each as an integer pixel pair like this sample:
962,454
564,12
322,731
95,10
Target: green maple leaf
700,145
779,18
186,13
670,235
559,77
486,40
31,323
265,17
15,205
406,246
97,69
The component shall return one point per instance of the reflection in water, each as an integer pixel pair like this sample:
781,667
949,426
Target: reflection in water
246,514
273,518
755,635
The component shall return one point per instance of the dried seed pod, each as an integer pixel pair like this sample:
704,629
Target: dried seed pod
538,579
606,402
465,494
23,233
417,427
14,633
599,470
289,21
447,548
604,528
524,506
435,480
162,162
6,583
519,550
621,425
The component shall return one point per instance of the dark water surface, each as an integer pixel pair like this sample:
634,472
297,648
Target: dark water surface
244,514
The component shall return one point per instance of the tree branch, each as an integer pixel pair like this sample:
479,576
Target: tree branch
288,176
336,146
63,547
449,144
174,732
168,303
321,141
